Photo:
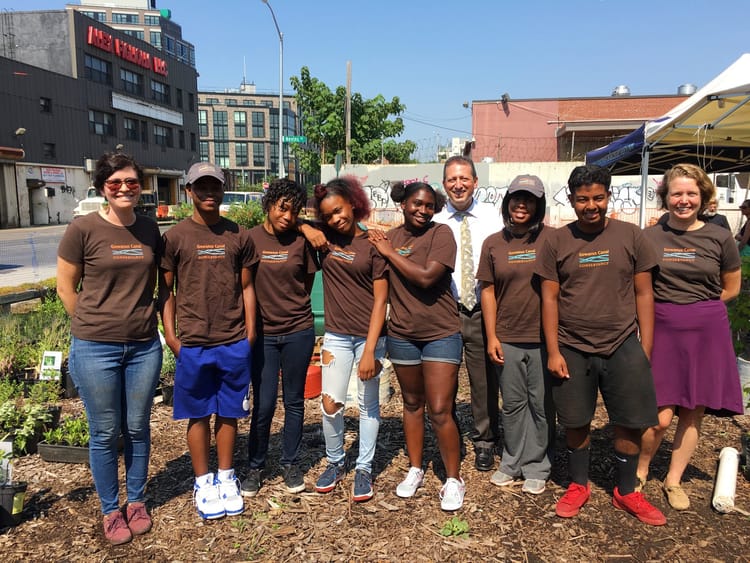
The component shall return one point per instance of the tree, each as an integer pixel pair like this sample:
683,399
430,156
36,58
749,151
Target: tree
322,116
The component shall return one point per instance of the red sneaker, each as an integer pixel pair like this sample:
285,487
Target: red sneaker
638,506
115,529
573,499
138,519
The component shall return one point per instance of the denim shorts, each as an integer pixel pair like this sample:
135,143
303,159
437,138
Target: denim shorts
212,380
413,352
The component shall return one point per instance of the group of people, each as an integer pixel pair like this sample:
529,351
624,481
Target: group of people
544,317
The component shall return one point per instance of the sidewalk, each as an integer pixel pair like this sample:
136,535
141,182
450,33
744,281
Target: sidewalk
28,255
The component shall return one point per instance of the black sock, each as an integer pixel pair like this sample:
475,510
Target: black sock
626,466
578,465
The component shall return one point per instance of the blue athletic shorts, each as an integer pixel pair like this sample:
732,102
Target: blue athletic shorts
212,380
413,352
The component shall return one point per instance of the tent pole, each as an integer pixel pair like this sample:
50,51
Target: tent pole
644,185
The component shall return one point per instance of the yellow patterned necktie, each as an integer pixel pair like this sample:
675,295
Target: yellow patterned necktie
468,294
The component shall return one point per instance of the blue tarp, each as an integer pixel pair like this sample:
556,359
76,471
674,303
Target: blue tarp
631,144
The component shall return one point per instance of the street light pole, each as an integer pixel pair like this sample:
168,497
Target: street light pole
281,91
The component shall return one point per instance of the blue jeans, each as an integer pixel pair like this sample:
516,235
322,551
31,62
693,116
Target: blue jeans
289,353
117,382
346,351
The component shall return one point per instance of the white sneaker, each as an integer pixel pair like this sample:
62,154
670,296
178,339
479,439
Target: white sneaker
408,487
229,491
207,499
452,494
533,486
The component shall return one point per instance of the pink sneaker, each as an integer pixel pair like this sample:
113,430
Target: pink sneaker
116,529
138,519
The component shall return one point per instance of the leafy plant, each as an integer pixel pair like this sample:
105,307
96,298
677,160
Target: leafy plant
6,458
23,420
182,211
72,431
168,367
455,527
45,391
247,214
10,389
738,311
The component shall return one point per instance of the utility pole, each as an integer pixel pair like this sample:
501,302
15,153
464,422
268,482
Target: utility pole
348,112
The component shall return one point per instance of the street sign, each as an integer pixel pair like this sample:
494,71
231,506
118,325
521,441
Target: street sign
294,139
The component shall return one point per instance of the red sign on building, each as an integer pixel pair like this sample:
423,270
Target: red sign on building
104,41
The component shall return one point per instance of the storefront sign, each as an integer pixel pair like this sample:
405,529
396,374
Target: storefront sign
53,175
104,41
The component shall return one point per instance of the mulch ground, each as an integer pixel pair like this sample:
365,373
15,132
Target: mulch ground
61,519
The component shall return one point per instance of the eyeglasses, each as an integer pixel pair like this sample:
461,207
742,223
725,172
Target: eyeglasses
116,183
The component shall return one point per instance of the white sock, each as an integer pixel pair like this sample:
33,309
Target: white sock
226,475
207,479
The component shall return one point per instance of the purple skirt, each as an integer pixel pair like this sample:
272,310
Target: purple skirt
693,360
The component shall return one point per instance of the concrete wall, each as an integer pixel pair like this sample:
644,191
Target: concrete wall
43,40
58,201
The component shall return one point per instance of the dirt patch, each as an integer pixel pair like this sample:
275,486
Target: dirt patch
62,520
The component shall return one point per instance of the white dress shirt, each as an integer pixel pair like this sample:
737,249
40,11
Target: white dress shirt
484,220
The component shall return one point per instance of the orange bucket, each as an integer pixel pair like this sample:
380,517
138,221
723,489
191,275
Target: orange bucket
313,382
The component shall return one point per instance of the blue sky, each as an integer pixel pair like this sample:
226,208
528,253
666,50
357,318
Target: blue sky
434,56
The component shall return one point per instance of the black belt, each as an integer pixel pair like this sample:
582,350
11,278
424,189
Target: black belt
469,312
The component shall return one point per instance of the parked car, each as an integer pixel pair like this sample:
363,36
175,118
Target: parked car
239,198
92,202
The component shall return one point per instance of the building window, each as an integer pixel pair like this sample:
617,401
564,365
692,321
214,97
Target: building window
131,128
124,18
191,101
259,155
155,37
274,156
273,126
137,33
144,132
168,44
98,16
192,142
178,97
212,101
221,127
267,103
204,151
163,136
132,82
248,102
290,123
150,20
240,124
160,92
45,105
101,123
203,123
221,154
259,125
230,102
240,154
48,151
97,70
181,137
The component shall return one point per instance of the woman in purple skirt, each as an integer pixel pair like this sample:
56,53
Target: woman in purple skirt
693,360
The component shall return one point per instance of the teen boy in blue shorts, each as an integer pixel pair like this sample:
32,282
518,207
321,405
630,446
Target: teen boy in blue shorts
596,297
208,258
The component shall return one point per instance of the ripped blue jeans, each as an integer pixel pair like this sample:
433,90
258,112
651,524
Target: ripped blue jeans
341,354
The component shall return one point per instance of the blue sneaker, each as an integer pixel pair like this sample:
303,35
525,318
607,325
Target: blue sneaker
330,478
207,499
362,490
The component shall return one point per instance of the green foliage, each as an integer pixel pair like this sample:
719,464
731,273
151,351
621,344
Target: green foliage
10,389
247,214
45,392
168,366
455,527
321,111
182,211
22,420
72,431
738,311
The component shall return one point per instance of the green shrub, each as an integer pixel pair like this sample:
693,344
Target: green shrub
182,211
247,215
72,431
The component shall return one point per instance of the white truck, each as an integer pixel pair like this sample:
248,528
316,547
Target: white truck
92,202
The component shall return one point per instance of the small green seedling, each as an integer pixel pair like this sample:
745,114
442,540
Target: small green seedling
455,527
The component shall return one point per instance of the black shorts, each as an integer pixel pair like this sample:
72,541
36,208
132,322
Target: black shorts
624,379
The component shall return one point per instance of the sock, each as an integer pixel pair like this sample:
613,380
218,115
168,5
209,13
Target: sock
626,466
578,465
226,475
207,479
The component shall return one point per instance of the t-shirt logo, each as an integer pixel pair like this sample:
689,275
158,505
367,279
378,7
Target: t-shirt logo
127,251
521,256
210,251
342,256
404,250
275,256
593,259
679,254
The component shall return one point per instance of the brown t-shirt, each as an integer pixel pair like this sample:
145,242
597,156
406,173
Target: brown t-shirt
597,292
691,262
509,265
116,300
283,264
349,268
208,262
417,313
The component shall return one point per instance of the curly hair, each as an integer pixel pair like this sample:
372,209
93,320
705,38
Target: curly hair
111,162
587,175
347,187
401,192
705,185
284,189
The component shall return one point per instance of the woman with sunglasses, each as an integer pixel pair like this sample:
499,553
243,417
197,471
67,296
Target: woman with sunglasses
106,274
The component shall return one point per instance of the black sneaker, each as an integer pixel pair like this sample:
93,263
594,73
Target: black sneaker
293,479
251,483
